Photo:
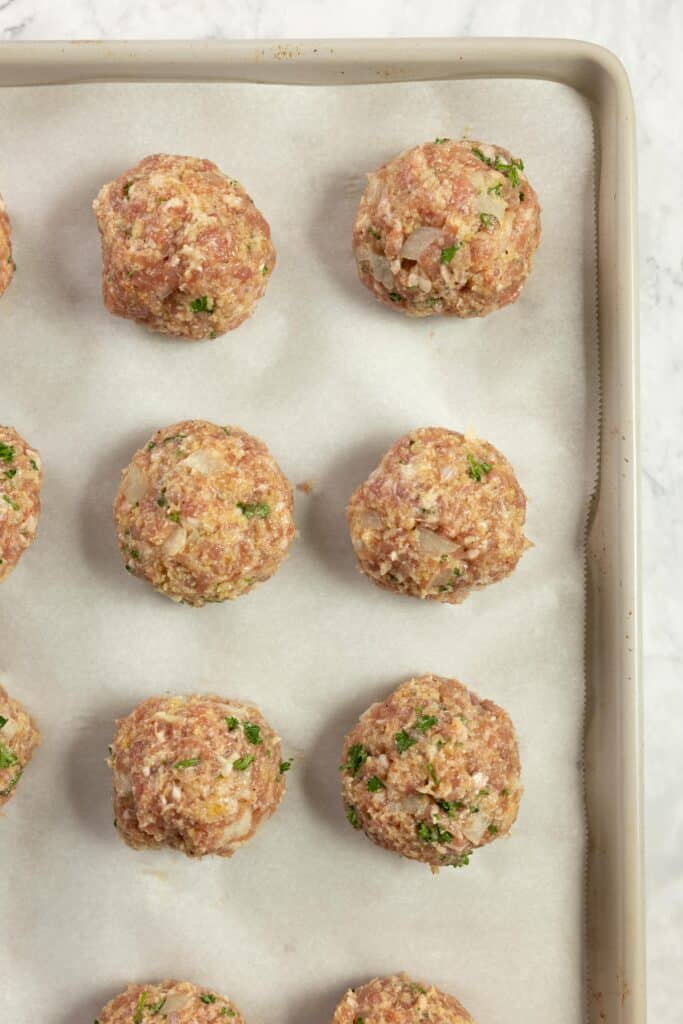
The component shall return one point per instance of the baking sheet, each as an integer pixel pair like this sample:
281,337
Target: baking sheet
328,379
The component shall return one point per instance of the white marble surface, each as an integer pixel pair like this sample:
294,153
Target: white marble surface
648,36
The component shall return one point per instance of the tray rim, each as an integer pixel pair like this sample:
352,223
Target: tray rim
615,932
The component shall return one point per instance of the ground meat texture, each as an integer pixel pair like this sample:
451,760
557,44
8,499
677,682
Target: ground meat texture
442,515
20,479
398,1000
203,512
19,737
172,1002
6,261
197,773
432,772
447,227
184,249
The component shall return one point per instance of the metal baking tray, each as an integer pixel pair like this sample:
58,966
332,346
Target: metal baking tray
614,916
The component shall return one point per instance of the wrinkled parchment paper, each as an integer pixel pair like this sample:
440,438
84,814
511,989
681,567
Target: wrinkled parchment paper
328,379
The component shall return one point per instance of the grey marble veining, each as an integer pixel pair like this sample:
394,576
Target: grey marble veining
648,36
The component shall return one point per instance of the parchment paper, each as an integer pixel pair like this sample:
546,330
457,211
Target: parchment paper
328,379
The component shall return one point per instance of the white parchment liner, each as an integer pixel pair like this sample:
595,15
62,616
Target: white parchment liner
328,379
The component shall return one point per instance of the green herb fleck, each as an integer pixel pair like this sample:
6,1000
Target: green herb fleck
375,784
174,437
208,998
134,553
3,721
173,515
253,733
8,790
201,305
9,473
505,792
150,446
425,722
487,219
492,829
431,832
461,861
457,572
355,759
34,465
496,190
483,792
159,1006
451,806
258,509
394,296
449,252
352,816
162,500
126,189
521,197
188,762
6,453
11,503
137,1016
474,810
477,468
227,1012
7,757
264,269
374,232
431,771
232,723
403,741
242,763
439,141
285,765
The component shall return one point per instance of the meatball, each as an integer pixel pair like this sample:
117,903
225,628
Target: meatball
176,1002
432,772
184,249
19,737
203,513
6,261
197,773
442,515
20,479
447,227
398,1000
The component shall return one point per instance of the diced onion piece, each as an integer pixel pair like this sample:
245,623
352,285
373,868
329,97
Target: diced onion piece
433,543
135,485
381,270
175,541
475,827
204,461
369,521
416,243
491,204
176,1002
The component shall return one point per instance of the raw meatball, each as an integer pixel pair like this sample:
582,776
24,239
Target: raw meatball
20,479
175,1002
432,772
398,1000
19,737
441,515
447,227
196,773
6,261
184,249
203,513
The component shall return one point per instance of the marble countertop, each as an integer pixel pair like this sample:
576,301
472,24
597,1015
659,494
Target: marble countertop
648,36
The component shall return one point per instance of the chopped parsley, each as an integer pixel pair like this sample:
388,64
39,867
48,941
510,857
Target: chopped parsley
461,861
9,473
492,829
359,1020
174,437
8,790
474,810
207,998
511,170
403,741
496,190
242,763
285,765
425,722
431,771
449,252
150,446
137,1016
483,792
487,219
505,792
6,453
201,305
253,733
264,269
394,296
451,806
232,723
174,516
355,759
12,504
374,232
521,197
375,784
34,464
3,721
352,816
439,141
258,509
477,468
126,189
159,1006
188,762
431,832
227,1012
7,757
